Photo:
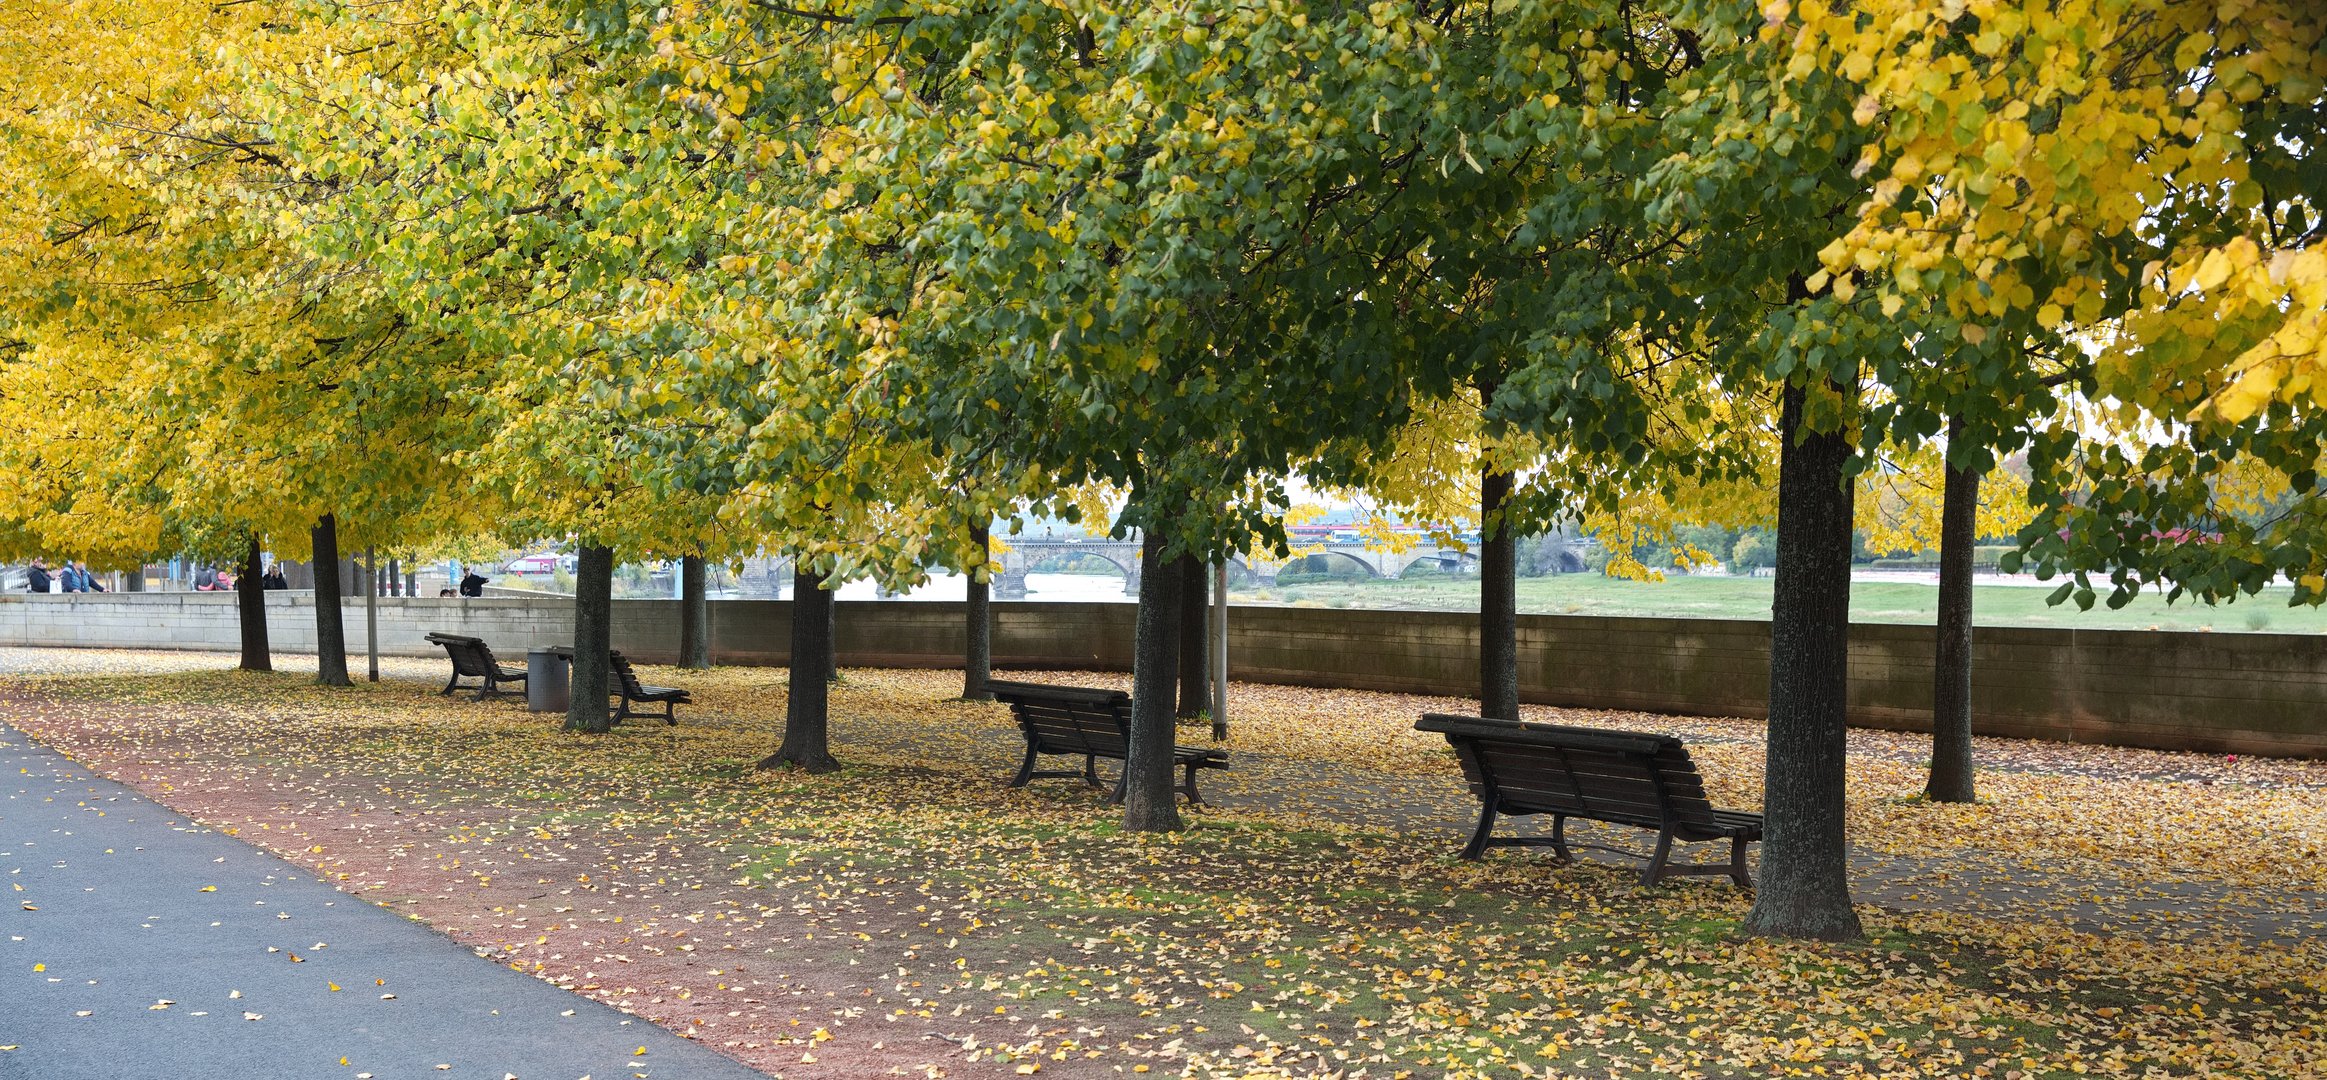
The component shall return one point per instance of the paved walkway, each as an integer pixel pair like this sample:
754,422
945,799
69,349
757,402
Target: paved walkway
139,946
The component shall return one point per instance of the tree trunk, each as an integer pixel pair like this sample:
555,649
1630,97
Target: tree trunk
1195,694
251,603
831,633
411,579
1498,600
330,616
978,663
1219,655
694,615
807,728
1951,759
1805,880
371,580
1149,803
395,576
593,636
134,579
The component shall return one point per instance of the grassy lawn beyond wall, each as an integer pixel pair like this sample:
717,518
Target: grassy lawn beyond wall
1749,598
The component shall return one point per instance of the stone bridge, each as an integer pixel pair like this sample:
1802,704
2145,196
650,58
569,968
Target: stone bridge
1027,554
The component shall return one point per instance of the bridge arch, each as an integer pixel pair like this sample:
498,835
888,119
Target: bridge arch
1448,560
1325,563
1038,561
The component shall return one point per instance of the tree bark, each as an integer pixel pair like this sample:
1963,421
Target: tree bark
1951,757
251,604
371,580
593,636
1805,880
330,613
1195,694
395,576
807,728
831,633
978,661
1149,803
1498,600
694,615
134,579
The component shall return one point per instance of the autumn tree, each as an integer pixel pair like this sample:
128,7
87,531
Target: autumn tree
2128,187
240,395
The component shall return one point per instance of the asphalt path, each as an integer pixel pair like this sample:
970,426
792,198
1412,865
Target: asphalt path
135,945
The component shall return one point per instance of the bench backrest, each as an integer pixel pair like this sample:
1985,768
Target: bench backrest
470,656
1623,776
1068,719
621,666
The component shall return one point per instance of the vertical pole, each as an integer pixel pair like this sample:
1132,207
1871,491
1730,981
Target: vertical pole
372,609
1220,650
978,647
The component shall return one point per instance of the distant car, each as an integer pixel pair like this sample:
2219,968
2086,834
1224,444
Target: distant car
543,564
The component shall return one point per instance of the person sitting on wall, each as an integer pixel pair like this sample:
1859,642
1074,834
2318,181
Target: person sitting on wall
473,584
86,579
36,577
273,578
205,579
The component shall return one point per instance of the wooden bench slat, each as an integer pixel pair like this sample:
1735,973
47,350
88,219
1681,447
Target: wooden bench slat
1627,778
628,689
1092,723
473,659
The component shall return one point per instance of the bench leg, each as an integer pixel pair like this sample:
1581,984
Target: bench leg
1478,843
1737,863
1025,770
1190,786
449,684
1559,838
1091,773
670,714
1664,850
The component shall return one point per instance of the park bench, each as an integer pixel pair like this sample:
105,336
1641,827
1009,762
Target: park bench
473,659
1622,777
1075,720
627,686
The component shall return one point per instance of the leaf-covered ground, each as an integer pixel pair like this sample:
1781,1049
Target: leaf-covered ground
2104,912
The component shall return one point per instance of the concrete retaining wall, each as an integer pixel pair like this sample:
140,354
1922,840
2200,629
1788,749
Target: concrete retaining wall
2229,693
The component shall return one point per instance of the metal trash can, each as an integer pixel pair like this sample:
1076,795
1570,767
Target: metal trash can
547,674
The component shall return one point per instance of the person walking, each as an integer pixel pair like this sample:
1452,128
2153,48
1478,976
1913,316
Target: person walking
89,582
